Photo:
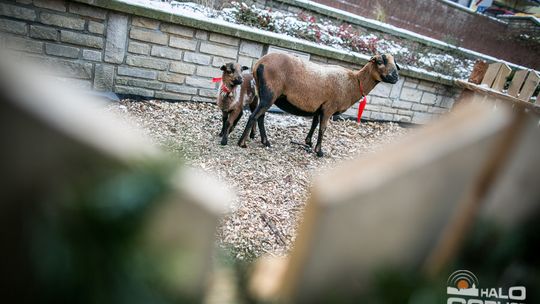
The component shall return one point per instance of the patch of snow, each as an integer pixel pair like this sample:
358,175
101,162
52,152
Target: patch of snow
390,28
298,28
286,120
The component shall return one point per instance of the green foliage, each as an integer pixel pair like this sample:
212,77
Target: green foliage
86,240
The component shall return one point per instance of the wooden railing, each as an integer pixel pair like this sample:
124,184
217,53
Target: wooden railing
489,82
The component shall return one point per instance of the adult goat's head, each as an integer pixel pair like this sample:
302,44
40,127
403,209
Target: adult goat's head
385,68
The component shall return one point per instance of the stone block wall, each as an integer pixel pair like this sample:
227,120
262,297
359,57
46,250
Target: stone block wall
109,51
169,61
106,50
409,100
67,36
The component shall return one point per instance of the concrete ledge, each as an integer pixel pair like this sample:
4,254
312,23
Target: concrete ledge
390,29
244,32
530,18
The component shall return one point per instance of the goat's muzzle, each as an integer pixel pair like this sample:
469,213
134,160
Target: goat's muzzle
391,77
237,81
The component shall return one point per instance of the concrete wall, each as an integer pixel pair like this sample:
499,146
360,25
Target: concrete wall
113,48
446,22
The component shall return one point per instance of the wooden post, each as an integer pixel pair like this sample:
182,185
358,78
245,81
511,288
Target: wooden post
517,82
502,75
478,72
529,87
491,74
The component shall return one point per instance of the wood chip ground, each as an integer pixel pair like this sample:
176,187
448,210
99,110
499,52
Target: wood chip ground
272,184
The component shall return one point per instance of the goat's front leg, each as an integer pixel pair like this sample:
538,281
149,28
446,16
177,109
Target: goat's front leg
225,116
224,138
322,127
233,122
227,125
314,124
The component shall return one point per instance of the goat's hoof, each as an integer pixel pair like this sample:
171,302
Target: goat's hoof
266,144
223,142
309,144
320,153
252,136
242,145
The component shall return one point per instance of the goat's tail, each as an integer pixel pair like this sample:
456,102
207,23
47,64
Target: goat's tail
263,91
256,79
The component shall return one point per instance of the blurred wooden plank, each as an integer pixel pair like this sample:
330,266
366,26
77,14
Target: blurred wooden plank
180,232
517,82
266,280
515,197
57,142
468,207
502,75
387,210
529,87
491,74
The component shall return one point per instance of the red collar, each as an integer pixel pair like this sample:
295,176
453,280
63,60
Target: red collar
224,88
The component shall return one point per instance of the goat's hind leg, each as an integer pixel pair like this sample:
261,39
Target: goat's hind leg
262,130
252,107
314,124
322,128
266,99
255,116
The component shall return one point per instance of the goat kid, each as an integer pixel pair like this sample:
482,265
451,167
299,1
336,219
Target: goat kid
236,90
305,88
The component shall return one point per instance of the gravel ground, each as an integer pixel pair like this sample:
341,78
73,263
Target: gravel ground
271,183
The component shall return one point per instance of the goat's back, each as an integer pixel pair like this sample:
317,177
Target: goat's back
306,84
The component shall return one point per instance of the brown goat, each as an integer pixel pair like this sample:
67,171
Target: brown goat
305,88
236,90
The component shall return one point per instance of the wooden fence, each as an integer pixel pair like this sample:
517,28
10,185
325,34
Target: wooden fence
94,203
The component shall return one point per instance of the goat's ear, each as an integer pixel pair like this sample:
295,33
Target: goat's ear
244,68
223,68
397,66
